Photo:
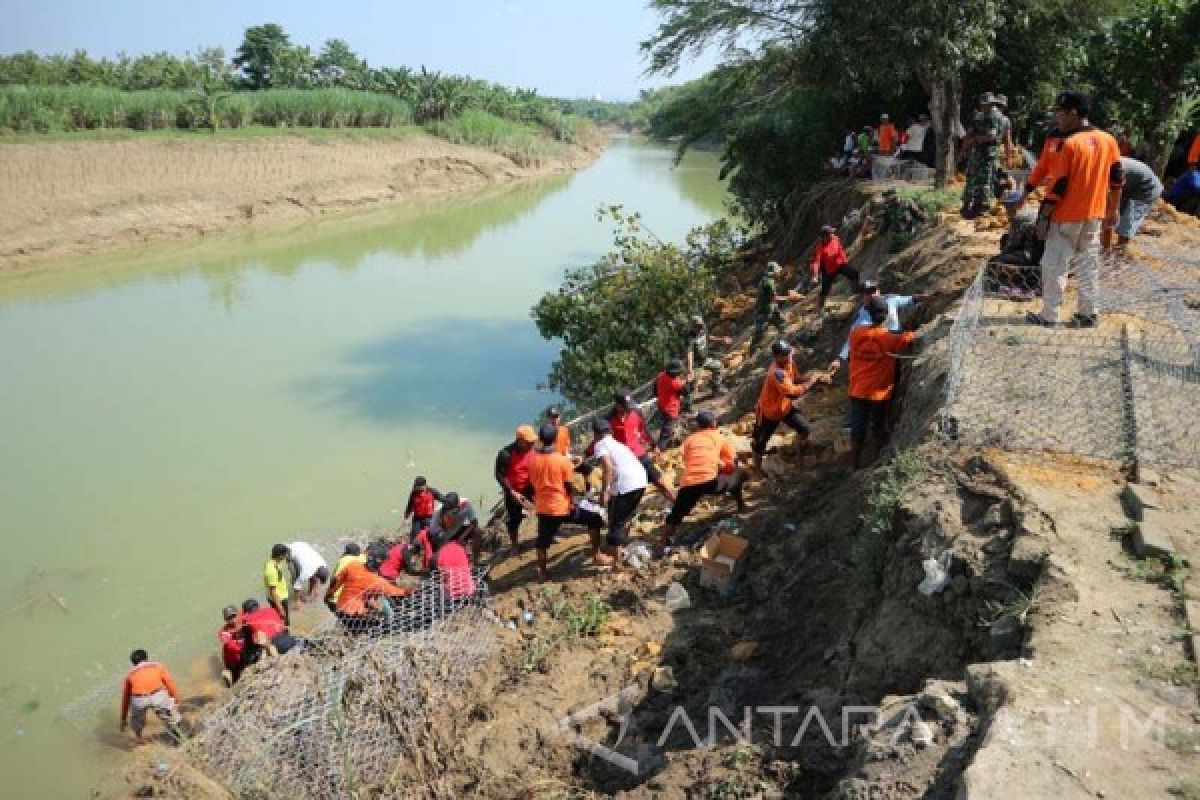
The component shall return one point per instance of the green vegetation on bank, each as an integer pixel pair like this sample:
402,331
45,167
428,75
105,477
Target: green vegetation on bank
273,83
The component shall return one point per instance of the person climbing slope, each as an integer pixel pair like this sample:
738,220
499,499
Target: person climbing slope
776,401
148,686
709,467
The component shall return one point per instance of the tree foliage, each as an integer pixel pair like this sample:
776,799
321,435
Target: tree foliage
262,55
622,318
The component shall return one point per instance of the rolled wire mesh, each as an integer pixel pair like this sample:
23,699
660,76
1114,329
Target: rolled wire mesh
1125,390
346,714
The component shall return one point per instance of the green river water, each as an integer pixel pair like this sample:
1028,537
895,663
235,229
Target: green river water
167,415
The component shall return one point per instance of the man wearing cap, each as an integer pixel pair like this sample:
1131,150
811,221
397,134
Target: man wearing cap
709,467
277,580
887,135
829,262
696,357
623,481
896,303
766,310
550,473
456,519
232,645
982,148
1084,196
668,395
629,428
873,376
511,471
781,386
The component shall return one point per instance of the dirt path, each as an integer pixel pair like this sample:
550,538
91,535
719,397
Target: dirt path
75,198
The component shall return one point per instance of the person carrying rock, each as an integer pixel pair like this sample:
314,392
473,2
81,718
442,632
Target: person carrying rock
781,386
623,481
697,357
709,467
668,394
896,303
629,428
766,304
873,376
551,473
512,473
148,686
829,262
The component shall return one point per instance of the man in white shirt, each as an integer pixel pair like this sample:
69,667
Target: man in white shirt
308,569
624,481
914,142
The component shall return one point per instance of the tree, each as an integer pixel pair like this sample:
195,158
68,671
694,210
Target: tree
1146,65
338,65
258,56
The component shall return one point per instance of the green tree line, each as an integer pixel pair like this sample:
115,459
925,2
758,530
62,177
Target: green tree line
268,80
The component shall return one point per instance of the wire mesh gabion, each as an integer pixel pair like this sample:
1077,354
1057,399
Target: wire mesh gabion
345,715
1125,390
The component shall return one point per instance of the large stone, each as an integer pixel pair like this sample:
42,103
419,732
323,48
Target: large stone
663,680
1164,533
938,699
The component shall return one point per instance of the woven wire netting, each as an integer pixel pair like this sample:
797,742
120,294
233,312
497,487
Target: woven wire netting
349,713
1126,390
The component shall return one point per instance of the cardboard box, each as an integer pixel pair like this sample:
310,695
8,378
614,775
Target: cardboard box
721,561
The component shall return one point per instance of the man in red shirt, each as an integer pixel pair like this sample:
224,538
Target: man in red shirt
233,645
887,135
1085,183
512,473
263,631
629,428
873,375
551,473
422,499
829,262
454,568
669,387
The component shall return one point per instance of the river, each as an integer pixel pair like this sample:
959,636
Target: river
167,415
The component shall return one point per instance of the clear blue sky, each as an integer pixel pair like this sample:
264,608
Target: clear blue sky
565,48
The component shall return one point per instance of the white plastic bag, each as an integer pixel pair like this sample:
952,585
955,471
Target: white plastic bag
677,598
936,575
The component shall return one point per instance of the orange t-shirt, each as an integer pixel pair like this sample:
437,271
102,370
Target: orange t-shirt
549,474
887,138
1193,157
563,443
357,583
706,453
872,368
775,399
1045,162
146,678
1087,166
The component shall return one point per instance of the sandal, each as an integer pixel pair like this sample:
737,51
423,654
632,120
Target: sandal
1038,319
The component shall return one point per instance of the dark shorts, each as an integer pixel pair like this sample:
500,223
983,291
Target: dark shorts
868,413
666,434
514,512
284,642
764,429
548,526
653,473
688,496
419,524
829,279
621,509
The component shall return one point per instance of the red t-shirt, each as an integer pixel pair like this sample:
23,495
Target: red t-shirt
517,471
391,566
829,256
668,389
455,567
232,645
426,548
422,503
629,429
266,621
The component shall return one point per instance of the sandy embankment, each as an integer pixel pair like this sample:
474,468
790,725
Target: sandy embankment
72,198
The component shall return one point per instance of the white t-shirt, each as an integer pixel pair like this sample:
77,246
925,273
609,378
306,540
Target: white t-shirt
309,560
629,474
916,138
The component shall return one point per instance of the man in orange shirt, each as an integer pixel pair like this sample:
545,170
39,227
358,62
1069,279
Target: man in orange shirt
1084,191
709,467
887,136
550,473
873,376
668,394
356,588
780,387
148,686
563,442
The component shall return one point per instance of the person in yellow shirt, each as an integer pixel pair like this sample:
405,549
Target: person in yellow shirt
277,577
709,467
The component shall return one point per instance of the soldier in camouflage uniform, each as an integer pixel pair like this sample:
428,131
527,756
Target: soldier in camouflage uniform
697,357
982,144
900,217
766,309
